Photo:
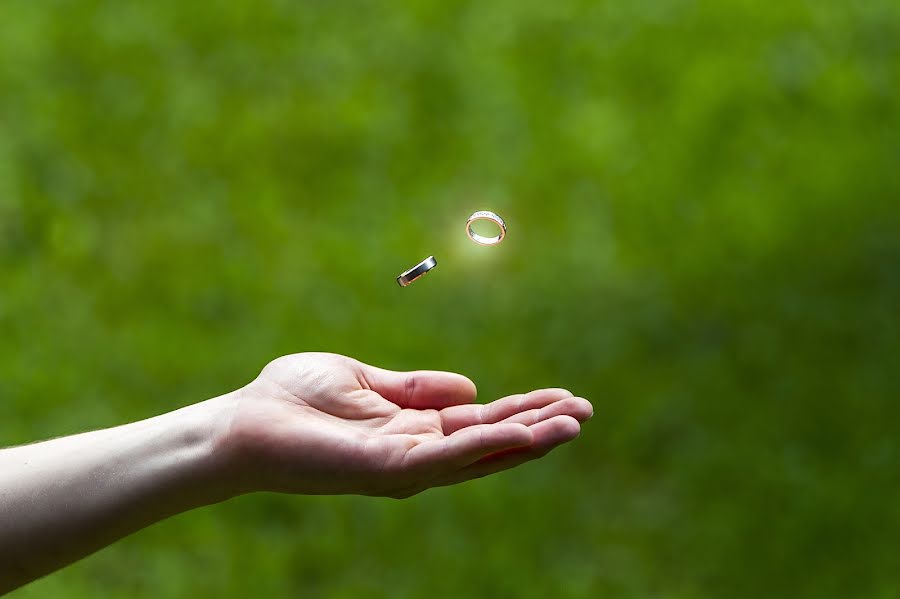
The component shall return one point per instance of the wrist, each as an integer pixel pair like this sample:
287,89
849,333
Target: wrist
185,456
216,472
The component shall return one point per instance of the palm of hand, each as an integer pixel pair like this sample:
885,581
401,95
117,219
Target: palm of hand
324,423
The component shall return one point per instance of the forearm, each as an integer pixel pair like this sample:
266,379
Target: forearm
63,499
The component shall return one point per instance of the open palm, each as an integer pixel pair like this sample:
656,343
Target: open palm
325,423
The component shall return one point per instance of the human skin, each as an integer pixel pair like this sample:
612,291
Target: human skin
310,423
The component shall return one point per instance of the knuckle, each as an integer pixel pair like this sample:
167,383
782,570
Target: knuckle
409,387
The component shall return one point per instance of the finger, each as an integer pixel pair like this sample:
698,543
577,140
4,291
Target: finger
458,417
577,407
548,435
467,447
421,389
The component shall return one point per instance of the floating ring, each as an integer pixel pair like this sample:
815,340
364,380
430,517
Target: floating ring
485,215
419,270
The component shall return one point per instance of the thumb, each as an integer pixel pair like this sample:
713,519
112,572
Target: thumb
420,389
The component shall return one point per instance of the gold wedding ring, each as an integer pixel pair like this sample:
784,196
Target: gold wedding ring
485,215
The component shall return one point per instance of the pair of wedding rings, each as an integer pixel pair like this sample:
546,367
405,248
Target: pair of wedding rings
425,266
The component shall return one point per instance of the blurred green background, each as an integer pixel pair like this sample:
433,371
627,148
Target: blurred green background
703,203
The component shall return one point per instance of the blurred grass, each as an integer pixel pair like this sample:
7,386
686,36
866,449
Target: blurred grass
704,239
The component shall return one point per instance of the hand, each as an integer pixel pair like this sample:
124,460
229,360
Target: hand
323,423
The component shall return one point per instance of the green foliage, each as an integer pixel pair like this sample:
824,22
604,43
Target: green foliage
704,240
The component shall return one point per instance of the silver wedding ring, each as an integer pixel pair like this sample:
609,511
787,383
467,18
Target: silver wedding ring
485,215
419,270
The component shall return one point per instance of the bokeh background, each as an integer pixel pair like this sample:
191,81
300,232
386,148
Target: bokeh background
704,239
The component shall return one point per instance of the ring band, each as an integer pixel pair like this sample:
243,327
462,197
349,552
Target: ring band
417,271
485,215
